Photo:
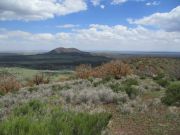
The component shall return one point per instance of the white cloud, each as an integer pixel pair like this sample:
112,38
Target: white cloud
42,36
115,2
169,21
154,3
96,2
68,26
95,37
118,2
29,10
102,6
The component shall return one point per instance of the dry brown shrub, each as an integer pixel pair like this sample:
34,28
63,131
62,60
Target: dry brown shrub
39,79
174,72
83,71
116,69
97,72
147,70
8,83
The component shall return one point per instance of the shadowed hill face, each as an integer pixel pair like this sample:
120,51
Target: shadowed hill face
65,50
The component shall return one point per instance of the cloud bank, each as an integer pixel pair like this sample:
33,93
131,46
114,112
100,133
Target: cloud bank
33,10
95,37
169,21
30,10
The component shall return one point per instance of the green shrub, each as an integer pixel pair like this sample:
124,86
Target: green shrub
107,79
27,120
2,93
142,77
60,87
131,91
172,95
116,87
95,84
163,82
130,82
103,81
71,123
91,79
56,87
33,106
159,76
31,89
160,79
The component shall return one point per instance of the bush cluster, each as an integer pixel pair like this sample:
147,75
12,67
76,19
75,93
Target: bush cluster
144,70
115,69
126,86
174,72
102,81
116,87
130,82
90,95
172,95
161,80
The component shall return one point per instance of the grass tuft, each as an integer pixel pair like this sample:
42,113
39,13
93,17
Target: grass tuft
29,120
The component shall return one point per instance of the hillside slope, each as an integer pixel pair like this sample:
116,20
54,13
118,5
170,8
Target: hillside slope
62,50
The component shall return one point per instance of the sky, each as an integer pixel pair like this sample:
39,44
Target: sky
93,25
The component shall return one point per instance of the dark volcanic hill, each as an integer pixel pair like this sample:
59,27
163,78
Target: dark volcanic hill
59,58
61,50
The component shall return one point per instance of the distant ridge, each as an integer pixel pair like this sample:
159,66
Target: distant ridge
62,50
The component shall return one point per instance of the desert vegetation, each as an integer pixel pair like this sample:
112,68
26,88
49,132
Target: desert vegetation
111,99
89,67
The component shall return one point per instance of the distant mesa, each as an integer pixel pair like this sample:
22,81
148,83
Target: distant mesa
62,50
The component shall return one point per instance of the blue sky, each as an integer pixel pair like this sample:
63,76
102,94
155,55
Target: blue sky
42,25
